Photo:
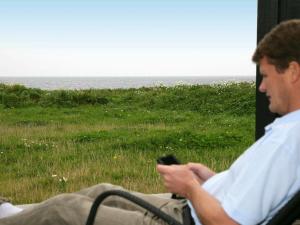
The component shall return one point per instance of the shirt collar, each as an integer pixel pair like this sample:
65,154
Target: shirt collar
288,118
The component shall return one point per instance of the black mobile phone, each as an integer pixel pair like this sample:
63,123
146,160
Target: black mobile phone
168,160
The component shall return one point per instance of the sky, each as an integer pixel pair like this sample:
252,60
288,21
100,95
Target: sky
127,37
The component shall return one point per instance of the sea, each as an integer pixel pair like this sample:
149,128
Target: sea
72,83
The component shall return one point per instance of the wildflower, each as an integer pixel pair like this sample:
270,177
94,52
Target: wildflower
63,179
54,175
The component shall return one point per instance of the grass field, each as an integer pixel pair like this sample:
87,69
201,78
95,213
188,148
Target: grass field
61,141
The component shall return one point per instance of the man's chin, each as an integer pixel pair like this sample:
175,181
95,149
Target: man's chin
272,109
276,111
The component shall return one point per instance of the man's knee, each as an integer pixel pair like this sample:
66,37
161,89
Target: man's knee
106,187
96,190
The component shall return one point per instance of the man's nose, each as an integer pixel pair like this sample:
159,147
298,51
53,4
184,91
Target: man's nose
262,87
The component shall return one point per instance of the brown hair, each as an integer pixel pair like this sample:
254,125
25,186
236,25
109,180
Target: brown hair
281,45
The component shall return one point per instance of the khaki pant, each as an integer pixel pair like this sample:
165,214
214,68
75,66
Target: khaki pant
73,209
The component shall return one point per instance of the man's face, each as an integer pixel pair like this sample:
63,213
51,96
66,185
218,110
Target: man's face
275,85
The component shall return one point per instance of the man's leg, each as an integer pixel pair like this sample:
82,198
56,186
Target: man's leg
74,208
163,201
158,200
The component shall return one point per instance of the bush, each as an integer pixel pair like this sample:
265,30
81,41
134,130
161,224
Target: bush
232,98
35,95
10,100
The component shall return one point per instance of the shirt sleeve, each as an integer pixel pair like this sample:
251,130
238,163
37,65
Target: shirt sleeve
261,183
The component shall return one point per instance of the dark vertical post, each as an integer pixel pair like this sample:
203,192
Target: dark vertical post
267,17
270,13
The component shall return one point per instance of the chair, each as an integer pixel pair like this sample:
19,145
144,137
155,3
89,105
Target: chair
287,215
91,218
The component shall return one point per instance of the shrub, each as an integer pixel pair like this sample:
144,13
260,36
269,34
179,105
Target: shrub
232,98
10,100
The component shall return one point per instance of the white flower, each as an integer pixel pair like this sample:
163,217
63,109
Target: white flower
63,179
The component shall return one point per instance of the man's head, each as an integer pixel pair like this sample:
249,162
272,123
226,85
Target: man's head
278,55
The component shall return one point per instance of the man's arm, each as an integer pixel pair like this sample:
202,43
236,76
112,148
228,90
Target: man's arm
181,180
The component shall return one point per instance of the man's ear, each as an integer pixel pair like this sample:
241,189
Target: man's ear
294,68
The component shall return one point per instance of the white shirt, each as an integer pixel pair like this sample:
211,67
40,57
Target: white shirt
264,177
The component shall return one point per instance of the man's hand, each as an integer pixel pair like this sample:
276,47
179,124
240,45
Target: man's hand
178,179
201,171
183,180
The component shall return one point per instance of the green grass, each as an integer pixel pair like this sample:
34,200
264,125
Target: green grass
55,141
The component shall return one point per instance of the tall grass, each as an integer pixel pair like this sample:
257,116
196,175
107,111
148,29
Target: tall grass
61,141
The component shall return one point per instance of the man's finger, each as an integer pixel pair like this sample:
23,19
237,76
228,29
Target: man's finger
162,168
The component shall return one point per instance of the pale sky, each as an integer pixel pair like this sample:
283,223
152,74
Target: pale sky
127,37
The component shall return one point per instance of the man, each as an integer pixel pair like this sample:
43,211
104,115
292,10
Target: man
268,174
251,191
